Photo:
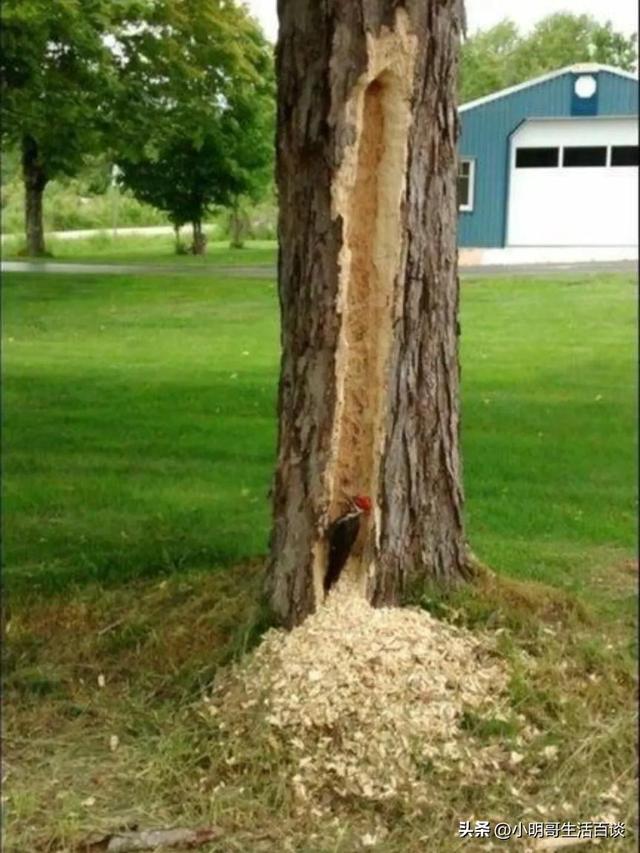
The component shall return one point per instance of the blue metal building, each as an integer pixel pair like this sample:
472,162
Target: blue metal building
552,162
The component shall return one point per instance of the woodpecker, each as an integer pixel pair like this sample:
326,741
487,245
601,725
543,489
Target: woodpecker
342,534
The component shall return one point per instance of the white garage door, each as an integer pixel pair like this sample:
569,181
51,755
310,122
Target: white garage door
574,182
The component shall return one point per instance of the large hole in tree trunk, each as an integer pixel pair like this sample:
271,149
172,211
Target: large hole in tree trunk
370,202
364,309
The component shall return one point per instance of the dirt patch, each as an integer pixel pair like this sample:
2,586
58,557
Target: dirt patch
620,577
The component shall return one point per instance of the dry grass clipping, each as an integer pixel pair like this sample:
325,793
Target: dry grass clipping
365,699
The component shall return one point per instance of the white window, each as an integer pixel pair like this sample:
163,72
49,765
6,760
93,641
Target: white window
466,177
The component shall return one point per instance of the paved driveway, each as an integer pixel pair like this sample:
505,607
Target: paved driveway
513,270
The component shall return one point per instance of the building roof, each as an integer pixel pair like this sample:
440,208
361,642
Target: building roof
583,68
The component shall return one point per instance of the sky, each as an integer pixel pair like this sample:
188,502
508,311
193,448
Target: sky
482,14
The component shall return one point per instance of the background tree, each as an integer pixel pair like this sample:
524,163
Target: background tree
487,60
254,155
195,113
56,68
368,404
564,39
502,56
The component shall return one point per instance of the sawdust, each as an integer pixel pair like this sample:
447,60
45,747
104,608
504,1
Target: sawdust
368,702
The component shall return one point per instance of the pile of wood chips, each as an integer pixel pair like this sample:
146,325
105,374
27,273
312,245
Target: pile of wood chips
365,699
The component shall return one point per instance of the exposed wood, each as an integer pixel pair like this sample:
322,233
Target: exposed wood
368,402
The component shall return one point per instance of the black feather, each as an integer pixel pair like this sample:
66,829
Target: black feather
342,535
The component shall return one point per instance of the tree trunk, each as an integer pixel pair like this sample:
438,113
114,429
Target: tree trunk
237,226
368,282
180,247
35,180
199,245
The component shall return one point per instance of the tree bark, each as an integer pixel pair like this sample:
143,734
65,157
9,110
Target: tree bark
180,247
199,244
368,284
35,180
238,226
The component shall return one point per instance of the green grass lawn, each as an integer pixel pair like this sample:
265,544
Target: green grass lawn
139,431
147,250
140,424
139,442
549,414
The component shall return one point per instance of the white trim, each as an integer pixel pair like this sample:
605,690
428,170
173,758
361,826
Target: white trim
579,118
584,68
545,255
468,207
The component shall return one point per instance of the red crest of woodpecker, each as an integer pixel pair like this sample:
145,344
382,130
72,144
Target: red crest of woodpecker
342,535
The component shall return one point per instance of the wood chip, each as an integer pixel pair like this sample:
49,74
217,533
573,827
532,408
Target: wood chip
366,696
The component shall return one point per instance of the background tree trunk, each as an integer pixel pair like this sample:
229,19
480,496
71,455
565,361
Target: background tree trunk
237,225
35,180
199,244
179,249
368,401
